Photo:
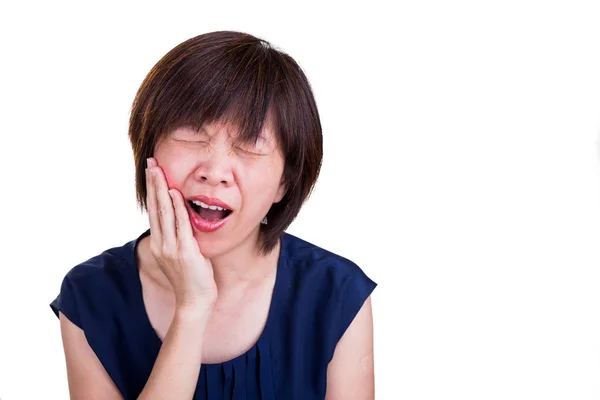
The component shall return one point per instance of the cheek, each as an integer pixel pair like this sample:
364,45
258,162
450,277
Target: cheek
172,161
266,183
171,183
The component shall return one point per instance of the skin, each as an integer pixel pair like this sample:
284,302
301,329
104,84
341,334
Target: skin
195,282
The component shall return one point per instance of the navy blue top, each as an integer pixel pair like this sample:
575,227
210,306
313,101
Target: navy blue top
316,296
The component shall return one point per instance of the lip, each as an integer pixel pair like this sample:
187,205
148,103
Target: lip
211,201
203,225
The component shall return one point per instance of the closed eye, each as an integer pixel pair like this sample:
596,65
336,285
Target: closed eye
192,141
190,136
260,148
251,151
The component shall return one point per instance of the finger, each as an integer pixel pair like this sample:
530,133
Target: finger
166,214
151,205
182,218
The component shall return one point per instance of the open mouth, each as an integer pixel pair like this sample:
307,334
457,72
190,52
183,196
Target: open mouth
209,213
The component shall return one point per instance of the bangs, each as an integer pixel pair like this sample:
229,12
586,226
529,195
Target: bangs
235,86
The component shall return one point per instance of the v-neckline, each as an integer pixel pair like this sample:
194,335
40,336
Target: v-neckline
148,329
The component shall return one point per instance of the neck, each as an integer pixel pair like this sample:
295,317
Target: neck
244,265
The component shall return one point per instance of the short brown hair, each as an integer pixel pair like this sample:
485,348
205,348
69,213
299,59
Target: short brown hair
234,77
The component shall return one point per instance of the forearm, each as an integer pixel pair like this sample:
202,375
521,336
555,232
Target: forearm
175,372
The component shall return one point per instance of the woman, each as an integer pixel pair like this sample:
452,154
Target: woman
216,300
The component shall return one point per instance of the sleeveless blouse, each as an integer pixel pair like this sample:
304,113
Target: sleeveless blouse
316,296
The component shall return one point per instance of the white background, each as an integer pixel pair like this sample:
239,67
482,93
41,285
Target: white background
461,172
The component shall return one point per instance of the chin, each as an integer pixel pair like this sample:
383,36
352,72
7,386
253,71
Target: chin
210,245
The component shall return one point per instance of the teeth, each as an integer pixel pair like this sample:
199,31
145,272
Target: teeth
204,205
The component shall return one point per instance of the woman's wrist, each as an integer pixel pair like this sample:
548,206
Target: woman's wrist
194,311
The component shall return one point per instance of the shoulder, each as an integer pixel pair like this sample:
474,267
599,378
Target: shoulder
309,261
89,284
329,289
103,265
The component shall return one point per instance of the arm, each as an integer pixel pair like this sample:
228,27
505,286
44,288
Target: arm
173,376
87,377
175,372
172,243
350,374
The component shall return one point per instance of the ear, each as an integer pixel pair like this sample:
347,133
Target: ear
280,192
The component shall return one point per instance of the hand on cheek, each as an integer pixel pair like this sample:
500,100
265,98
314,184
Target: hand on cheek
173,245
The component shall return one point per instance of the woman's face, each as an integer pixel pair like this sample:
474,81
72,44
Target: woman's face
245,178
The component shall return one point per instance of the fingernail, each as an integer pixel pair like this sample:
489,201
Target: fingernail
147,163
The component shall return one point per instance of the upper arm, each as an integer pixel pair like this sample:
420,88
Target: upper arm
350,374
86,375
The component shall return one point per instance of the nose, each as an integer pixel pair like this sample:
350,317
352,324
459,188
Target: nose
215,169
